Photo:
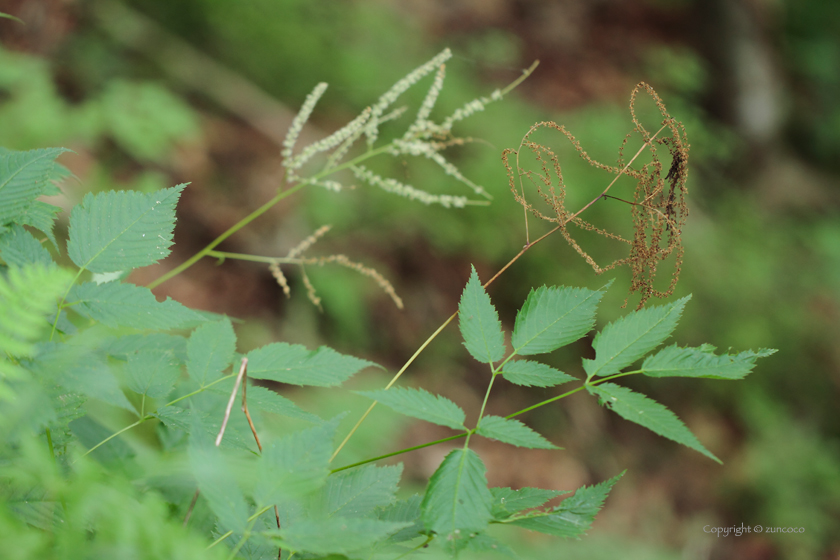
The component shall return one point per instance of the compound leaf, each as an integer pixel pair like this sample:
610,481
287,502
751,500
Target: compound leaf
297,365
554,317
479,322
457,502
512,431
125,305
121,230
624,341
419,403
210,351
674,361
534,374
646,412
574,516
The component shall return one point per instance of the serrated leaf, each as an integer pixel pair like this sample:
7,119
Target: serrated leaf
126,305
122,230
674,361
27,295
486,543
534,374
512,431
260,398
19,248
153,373
506,502
334,536
210,351
554,317
357,492
41,216
123,346
625,340
297,365
457,502
216,481
479,322
24,176
574,516
419,403
404,511
646,412
294,466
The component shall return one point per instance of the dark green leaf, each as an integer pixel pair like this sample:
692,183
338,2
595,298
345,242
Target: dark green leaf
295,364
419,403
674,361
534,374
512,431
624,341
648,413
574,516
554,317
480,325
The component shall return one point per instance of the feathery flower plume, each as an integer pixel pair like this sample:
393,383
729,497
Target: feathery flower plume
304,245
300,120
407,191
372,273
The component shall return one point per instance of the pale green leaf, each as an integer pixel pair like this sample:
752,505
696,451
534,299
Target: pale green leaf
357,492
123,346
260,398
297,365
294,466
574,516
554,317
534,374
419,403
41,216
216,481
625,340
335,535
674,361
122,230
19,248
506,502
512,431
457,502
27,295
24,176
153,373
646,412
479,322
126,305
404,511
210,351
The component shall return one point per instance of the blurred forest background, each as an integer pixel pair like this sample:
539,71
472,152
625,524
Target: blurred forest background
150,93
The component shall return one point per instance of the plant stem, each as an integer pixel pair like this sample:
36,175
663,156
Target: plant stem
400,452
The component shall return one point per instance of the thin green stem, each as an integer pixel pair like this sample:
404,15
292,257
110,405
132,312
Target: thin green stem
115,434
486,397
63,299
245,536
400,452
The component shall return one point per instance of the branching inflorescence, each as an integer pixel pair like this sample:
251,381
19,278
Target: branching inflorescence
657,206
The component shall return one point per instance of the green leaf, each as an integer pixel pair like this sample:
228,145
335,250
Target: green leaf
648,413
534,374
116,231
294,466
19,248
210,351
24,176
27,295
41,216
297,365
674,361
419,403
512,431
554,317
335,535
124,346
624,341
480,325
574,516
215,480
404,511
357,492
260,398
506,502
457,502
125,305
153,373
